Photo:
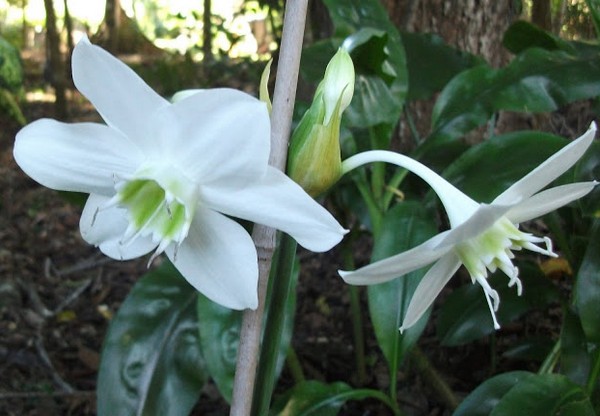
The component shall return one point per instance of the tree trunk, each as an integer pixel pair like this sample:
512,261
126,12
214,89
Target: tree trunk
69,27
55,69
475,26
206,32
112,20
541,14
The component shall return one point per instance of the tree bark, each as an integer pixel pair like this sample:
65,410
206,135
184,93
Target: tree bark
206,32
112,19
475,26
55,67
541,14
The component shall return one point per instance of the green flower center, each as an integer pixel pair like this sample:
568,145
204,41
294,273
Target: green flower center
160,203
492,250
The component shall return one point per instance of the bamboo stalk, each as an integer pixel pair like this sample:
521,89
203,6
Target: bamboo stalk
264,237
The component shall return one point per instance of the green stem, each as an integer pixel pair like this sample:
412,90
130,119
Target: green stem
425,369
551,360
283,284
357,320
411,126
374,212
294,366
594,374
392,187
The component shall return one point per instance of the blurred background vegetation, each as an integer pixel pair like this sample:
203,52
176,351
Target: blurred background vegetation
183,43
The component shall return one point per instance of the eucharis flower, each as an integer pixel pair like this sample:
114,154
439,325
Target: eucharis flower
482,236
165,177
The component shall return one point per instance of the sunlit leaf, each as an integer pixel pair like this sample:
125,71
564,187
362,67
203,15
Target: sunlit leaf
535,81
151,363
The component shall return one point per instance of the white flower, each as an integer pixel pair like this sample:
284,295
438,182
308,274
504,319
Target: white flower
165,177
482,236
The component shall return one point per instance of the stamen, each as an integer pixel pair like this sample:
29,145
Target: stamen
492,310
489,291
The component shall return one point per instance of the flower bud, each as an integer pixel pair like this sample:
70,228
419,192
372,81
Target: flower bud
314,158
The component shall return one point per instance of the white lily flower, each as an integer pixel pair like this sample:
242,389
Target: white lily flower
482,236
164,177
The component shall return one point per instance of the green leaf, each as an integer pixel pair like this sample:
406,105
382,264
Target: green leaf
151,363
535,81
219,329
487,169
530,349
465,316
313,398
384,74
544,395
220,332
587,287
432,63
522,35
574,358
486,396
588,169
404,226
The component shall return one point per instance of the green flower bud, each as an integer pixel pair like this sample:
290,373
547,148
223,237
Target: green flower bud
314,158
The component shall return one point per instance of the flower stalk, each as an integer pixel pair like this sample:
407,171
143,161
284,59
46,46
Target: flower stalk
264,237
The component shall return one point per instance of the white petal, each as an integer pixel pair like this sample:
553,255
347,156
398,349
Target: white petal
218,258
218,135
398,265
429,288
105,229
277,201
552,168
485,216
549,200
80,157
121,97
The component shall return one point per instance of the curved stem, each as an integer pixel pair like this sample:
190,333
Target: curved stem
458,206
594,374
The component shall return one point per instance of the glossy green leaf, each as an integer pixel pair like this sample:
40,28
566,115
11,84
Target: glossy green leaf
151,363
432,63
314,398
530,349
535,81
486,396
219,329
587,287
487,169
464,315
544,395
220,332
382,79
574,358
522,35
405,226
